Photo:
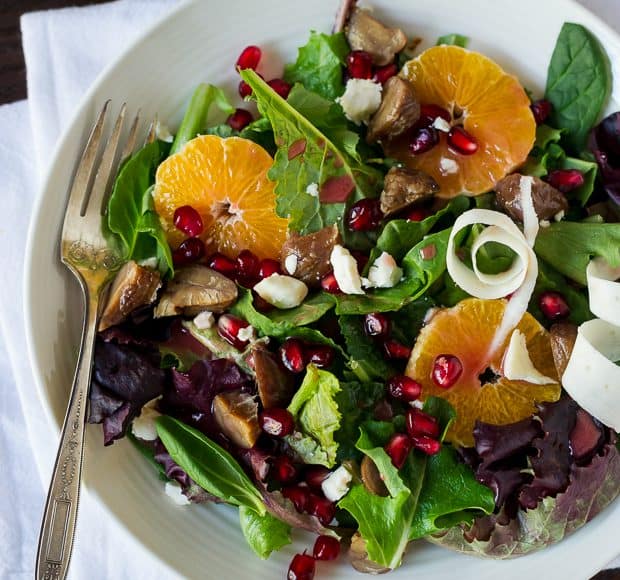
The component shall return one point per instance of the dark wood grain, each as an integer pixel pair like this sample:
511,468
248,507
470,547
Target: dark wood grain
12,66
13,80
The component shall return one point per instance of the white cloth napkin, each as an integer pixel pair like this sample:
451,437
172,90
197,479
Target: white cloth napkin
65,50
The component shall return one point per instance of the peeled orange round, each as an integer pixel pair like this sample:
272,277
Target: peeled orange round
481,392
226,181
488,103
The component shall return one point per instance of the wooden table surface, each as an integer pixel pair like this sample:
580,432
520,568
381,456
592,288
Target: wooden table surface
13,80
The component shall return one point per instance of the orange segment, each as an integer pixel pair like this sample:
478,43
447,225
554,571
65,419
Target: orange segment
226,181
490,104
466,331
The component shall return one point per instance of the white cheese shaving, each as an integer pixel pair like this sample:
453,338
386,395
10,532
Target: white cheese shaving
345,270
517,364
336,485
604,290
290,263
174,492
384,272
282,291
591,377
143,426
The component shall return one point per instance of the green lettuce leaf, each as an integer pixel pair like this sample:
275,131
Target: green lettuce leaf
454,39
131,215
210,466
569,246
408,321
258,131
319,64
319,161
318,418
263,533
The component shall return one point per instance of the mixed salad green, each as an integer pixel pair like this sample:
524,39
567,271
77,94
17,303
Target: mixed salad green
309,415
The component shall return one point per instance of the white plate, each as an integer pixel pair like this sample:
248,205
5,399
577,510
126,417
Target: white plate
200,42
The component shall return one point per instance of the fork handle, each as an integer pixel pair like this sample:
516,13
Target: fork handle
59,517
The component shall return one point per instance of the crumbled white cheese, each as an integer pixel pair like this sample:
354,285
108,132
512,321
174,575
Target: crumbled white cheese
442,125
150,263
517,364
163,133
417,404
174,492
558,217
282,291
336,485
204,320
313,189
384,272
290,263
247,333
345,270
143,426
366,283
361,98
447,166
544,223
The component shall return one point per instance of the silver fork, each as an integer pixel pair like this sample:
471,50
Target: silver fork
85,252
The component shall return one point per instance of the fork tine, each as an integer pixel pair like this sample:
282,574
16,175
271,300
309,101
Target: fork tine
79,187
131,139
150,136
100,184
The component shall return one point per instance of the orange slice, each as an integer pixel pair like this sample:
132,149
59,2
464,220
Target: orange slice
490,104
466,331
226,181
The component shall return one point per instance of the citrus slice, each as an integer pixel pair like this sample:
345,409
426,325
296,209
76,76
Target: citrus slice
481,392
226,181
488,103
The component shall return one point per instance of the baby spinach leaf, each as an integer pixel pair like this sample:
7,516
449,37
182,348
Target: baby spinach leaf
318,418
195,120
399,236
408,321
365,357
454,39
306,157
319,64
131,215
210,466
569,246
263,533
578,83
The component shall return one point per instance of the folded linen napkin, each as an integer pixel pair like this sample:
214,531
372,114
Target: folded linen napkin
65,50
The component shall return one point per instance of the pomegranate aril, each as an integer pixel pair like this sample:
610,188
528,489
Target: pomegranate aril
245,90
417,214
404,388
268,267
460,141
298,495
249,58
359,64
541,110
228,327
292,355
426,444
315,475
446,370
320,355
188,220
553,305
223,265
364,215
240,119
383,73
322,508
421,423
377,324
326,548
398,448
280,86
277,422
428,114
330,284
247,266
423,140
284,470
396,350
565,179
301,568
189,250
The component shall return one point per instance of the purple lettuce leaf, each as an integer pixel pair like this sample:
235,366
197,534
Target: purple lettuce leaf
125,378
591,489
604,143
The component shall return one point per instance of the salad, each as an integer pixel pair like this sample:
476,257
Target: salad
379,303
